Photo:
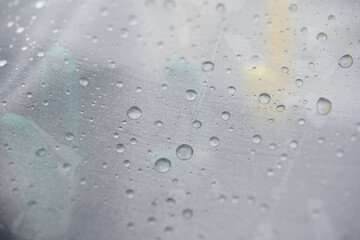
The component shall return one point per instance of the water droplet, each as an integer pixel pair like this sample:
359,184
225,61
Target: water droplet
207,66
345,61
162,165
264,98
196,124
119,148
151,220
321,37
225,115
158,123
280,108
69,136
83,82
3,62
191,95
129,193
214,141
220,7
39,4
187,213
134,113
323,106
293,144
301,121
119,84
293,7
270,172
184,152
284,69
257,139
331,18
299,82
170,202
41,152
231,90
168,230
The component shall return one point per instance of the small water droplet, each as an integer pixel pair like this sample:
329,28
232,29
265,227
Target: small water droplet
134,113
119,148
129,193
280,108
299,82
214,141
220,7
331,18
83,82
257,139
196,124
264,98
321,37
184,152
41,152
284,69
69,136
207,66
346,61
187,213
323,106
191,95
3,62
162,165
225,115
119,84
231,90
293,7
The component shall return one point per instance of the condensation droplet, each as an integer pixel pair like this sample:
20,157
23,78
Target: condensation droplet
83,82
41,152
323,106
264,98
257,139
207,66
187,213
280,108
214,141
225,115
119,148
184,152
196,124
134,113
321,37
191,95
293,7
346,61
162,165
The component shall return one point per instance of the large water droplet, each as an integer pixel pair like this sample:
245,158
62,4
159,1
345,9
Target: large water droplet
345,61
323,106
264,98
134,113
162,165
184,152
207,66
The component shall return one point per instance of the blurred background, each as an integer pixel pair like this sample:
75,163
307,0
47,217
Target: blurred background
179,119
